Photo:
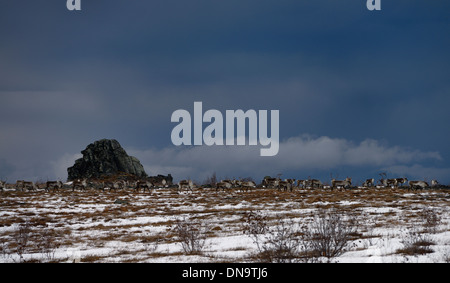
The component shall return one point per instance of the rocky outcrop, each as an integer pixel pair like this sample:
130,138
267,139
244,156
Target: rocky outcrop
105,158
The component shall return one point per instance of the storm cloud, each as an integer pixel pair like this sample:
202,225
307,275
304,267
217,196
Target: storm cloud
370,88
298,156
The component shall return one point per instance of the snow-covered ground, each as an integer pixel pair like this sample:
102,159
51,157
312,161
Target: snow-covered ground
92,227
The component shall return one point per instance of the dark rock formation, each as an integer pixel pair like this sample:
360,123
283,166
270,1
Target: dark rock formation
105,158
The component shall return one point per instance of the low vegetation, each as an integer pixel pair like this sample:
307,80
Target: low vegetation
205,225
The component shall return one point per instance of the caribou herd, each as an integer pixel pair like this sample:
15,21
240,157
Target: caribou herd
225,185
291,184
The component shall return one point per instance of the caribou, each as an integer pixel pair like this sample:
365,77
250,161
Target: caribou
19,185
286,185
53,185
247,185
341,183
105,185
301,183
316,183
369,183
401,181
81,184
271,183
224,185
144,185
188,184
22,185
117,185
413,185
390,183
160,184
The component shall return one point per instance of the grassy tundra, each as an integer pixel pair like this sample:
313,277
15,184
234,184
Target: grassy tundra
206,225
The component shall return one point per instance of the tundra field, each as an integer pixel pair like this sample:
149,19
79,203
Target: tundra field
205,225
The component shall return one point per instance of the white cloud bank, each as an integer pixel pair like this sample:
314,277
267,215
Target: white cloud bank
302,152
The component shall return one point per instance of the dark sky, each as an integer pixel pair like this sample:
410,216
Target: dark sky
359,92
